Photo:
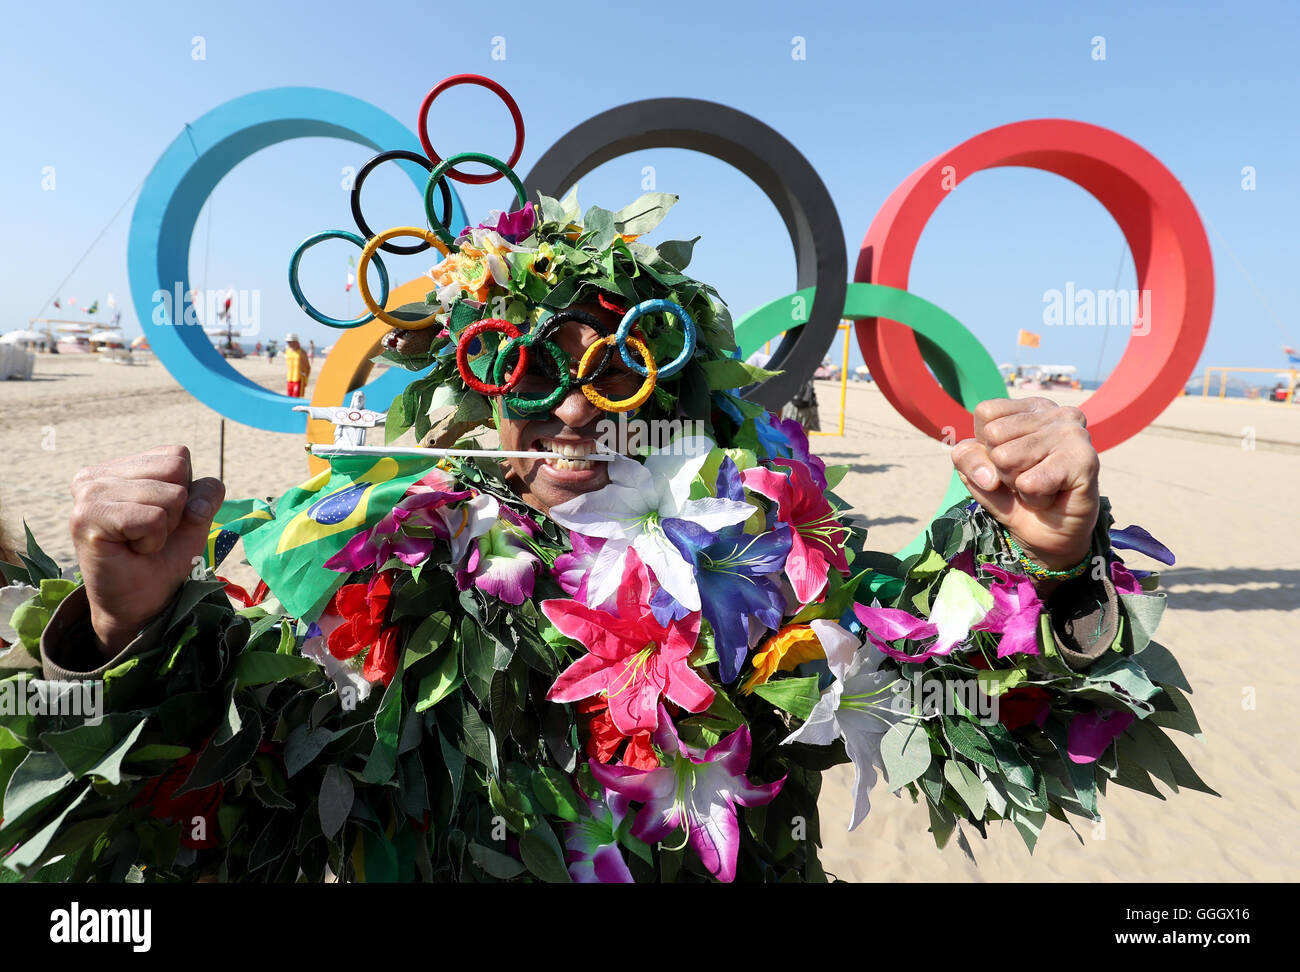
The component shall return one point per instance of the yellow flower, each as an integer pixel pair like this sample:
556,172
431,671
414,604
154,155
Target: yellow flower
544,263
792,645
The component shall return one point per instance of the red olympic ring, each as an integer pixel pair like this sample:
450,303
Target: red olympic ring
462,355
1159,222
503,94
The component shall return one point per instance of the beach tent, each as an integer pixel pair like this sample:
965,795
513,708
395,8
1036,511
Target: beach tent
24,337
106,337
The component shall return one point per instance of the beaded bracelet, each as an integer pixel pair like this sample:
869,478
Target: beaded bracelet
1038,571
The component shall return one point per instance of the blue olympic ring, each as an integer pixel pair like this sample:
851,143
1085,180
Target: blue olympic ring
652,307
306,305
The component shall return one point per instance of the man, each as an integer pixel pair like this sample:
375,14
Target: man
455,601
297,366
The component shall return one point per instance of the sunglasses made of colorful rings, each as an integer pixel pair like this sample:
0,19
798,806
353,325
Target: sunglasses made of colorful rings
555,364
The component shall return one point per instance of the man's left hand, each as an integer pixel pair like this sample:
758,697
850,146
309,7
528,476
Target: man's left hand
1033,467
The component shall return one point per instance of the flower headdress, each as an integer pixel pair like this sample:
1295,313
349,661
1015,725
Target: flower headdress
516,271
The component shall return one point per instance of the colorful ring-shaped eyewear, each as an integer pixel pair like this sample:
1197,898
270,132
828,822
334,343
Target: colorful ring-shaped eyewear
462,356
296,288
651,375
443,169
363,286
553,323
623,335
467,178
561,360
355,199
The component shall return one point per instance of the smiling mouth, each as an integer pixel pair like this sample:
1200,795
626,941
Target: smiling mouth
572,453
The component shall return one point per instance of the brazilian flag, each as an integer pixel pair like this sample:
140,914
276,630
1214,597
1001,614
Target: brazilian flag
314,521
233,520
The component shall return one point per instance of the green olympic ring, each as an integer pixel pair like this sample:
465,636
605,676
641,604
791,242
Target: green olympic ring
528,406
444,167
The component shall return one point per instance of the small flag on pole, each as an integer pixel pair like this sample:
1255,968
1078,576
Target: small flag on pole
1027,339
351,281
1292,355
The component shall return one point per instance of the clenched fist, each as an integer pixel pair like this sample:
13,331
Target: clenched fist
137,524
1033,467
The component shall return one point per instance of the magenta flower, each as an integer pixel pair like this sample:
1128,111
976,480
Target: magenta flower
1091,732
501,562
800,450
571,570
592,845
1015,612
631,657
419,512
817,537
513,226
695,791
1125,581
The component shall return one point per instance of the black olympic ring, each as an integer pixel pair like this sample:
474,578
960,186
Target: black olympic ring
772,162
553,323
400,249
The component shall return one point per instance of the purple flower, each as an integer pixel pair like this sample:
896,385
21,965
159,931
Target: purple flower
419,510
501,562
696,791
592,845
570,570
1015,612
1091,732
514,226
733,571
1126,581
1136,538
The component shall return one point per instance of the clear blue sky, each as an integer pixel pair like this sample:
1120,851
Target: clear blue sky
97,91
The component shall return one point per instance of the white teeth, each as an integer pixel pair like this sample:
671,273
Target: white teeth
572,453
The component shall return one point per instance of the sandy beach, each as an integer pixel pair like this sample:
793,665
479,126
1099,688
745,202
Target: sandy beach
1210,478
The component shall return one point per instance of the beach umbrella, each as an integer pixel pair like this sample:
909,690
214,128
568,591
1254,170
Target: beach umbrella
140,342
23,337
106,337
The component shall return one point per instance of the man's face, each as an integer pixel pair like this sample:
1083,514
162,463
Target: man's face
570,427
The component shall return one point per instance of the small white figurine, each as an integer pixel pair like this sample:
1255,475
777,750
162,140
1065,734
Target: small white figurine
350,421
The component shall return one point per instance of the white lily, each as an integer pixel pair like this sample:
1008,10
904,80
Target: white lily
628,511
857,707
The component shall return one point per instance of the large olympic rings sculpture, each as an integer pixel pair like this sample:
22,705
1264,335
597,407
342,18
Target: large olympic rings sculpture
1159,221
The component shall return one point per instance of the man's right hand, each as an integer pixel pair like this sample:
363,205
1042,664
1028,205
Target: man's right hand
138,523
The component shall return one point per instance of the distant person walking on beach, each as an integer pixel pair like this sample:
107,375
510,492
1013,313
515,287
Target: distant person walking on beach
311,350
297,365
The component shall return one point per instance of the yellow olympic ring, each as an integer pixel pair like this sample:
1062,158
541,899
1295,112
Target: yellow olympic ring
363,286
627,404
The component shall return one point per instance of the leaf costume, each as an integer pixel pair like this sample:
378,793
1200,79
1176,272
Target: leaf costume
436,682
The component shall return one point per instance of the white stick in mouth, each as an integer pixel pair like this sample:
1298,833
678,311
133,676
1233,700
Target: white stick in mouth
325,451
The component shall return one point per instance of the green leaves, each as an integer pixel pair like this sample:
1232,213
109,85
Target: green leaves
795,695
724,374
642,214
905,751
967,786
261,667
335,801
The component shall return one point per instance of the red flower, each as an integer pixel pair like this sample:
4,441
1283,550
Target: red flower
1021,705
364,608
604,740
160,795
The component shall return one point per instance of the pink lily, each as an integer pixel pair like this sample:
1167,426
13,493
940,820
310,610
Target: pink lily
695,790
817,537
632,658
1015,612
